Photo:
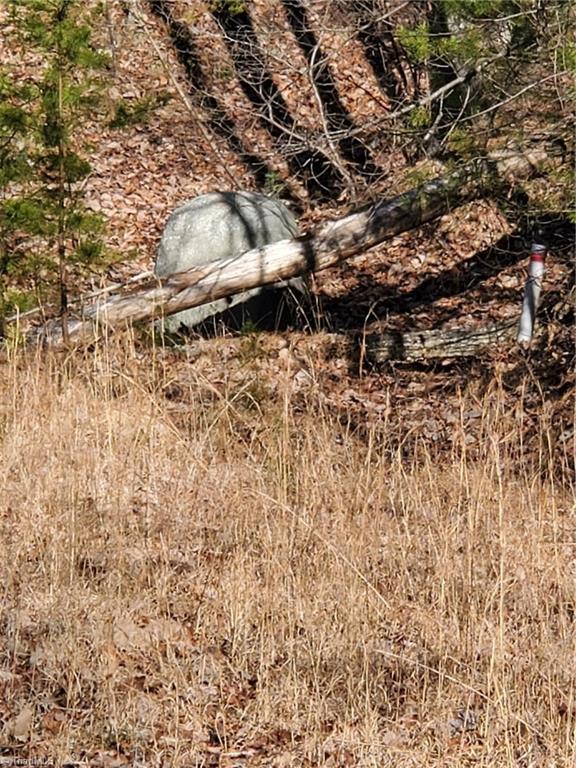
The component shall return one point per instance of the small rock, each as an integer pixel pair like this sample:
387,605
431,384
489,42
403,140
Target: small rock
465,721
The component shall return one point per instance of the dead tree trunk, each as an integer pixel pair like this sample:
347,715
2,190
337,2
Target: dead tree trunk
333,243
412,346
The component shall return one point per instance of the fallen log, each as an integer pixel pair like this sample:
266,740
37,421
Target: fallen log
334,242
413,346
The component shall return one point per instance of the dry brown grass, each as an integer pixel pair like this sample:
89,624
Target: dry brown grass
235,578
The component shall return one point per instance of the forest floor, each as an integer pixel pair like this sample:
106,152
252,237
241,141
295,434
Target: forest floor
255,550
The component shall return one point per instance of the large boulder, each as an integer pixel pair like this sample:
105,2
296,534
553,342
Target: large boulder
217,226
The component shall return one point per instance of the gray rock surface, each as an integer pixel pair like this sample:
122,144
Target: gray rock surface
221,225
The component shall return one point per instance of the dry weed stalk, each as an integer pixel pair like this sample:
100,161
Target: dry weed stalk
225,576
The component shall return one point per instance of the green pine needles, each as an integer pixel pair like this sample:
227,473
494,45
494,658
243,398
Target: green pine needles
47,235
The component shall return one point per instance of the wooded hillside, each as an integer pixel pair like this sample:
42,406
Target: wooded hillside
323,104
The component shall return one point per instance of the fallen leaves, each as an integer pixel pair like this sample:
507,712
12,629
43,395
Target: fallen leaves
19,728
154,634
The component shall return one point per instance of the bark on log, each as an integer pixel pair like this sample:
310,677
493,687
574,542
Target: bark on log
332,243
413,346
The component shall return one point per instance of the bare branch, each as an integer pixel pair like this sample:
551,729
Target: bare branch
138,16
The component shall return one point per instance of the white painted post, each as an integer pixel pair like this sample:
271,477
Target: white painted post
532,292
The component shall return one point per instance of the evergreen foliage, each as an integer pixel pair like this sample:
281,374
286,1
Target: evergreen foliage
137,111
47,235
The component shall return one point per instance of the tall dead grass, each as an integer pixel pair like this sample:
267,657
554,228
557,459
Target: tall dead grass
218,577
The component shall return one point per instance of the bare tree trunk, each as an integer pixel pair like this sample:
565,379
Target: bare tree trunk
427,345
333,243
